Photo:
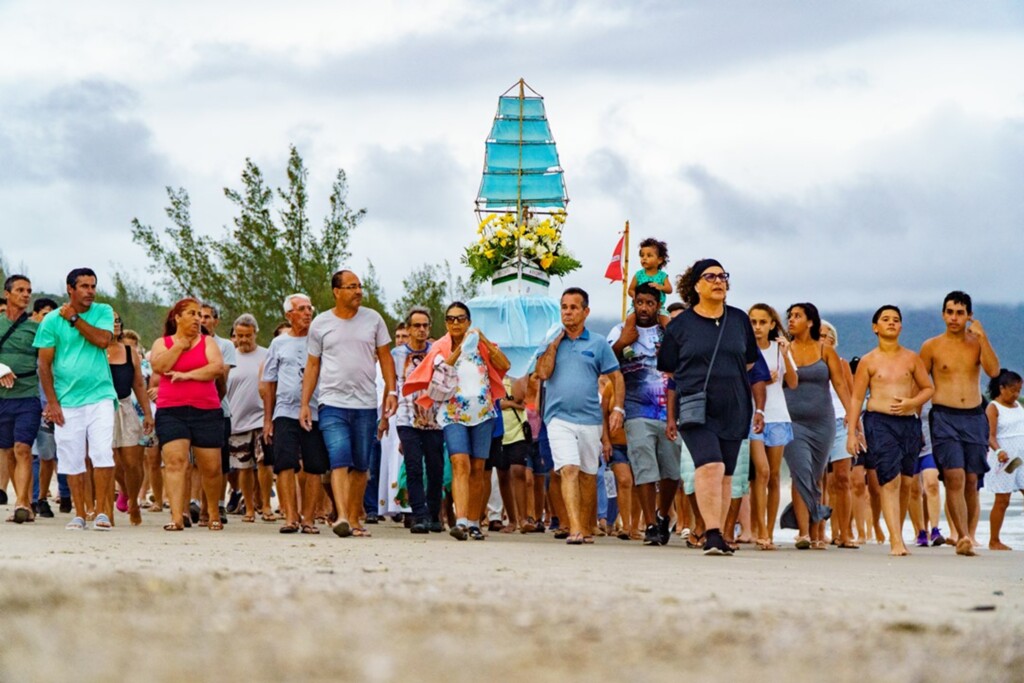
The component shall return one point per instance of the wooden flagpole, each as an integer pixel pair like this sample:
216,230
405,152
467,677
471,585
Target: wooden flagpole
625,270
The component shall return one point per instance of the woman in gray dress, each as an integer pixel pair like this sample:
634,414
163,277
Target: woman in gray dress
814,424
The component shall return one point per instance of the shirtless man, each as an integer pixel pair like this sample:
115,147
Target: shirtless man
892,429
957,420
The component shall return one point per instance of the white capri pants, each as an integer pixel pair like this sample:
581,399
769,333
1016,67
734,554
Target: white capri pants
88,430
573,444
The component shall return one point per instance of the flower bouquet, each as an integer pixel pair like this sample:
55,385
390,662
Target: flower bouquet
536,240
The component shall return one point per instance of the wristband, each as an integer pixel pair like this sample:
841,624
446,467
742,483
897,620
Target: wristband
759,412
619,410
393,393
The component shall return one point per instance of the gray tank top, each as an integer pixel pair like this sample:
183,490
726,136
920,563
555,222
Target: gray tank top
811,401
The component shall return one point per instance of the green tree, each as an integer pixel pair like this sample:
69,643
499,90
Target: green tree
373,296
433,286
140,309
266,255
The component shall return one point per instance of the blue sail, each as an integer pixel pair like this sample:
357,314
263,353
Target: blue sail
521,165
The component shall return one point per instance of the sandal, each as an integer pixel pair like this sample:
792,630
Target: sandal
588,540
289,528
361,532
561,534
574,539
76,524
803,542
269,517
308,529
622,535
174,527
215,525
529,526
248,519
695,541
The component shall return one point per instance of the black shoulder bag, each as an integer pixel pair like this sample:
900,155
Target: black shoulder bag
692,409
7,335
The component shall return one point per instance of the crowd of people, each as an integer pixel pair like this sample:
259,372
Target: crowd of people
678,421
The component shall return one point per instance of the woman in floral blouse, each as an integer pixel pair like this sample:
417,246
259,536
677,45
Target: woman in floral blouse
467,416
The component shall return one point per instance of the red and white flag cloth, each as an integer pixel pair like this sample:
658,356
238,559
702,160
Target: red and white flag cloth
614,271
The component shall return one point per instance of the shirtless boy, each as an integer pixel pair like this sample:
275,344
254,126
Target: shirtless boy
957,420
892,429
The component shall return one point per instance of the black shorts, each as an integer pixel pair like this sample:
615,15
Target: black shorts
706,448
203,428
511,454
268,454
959,438
894,444
296,449
225,450
494,456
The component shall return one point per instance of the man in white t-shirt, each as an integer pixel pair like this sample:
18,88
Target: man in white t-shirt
344,345
246,408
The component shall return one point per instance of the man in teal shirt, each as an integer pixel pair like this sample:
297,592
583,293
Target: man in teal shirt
80,394
19,393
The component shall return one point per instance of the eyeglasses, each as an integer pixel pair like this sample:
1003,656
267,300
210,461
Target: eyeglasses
117,321
350,287
423,325
715,277
456,318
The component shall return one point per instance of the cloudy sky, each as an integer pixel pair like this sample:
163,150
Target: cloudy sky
846,153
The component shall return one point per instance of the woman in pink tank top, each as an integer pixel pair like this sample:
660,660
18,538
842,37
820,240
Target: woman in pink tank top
189,416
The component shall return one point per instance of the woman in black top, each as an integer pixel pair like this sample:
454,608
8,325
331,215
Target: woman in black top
126,371
686,352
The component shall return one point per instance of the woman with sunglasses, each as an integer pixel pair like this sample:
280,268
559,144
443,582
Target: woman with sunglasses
467,413
711,347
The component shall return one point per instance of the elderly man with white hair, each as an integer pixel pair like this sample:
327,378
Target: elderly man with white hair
243,394
300,457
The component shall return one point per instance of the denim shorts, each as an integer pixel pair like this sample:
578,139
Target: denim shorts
473,440
619,455
540,454
19,420
349,434
775,434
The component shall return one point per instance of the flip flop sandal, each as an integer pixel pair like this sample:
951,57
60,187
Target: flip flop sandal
215,525
291,528
269,517
588,540
21,515
174,527
310,529
574,539
361,532
249,519
561,534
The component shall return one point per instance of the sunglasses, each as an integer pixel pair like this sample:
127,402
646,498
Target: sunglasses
456,318
715,277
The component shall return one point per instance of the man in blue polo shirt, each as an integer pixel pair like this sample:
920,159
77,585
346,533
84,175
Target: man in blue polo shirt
570,367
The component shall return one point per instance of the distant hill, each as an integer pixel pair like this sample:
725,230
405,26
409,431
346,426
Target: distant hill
1004,325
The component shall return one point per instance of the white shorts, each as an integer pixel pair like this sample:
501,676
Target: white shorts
573,444
88,430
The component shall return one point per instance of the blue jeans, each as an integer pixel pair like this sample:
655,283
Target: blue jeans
63,490
370,503
474,441
349,434
423,447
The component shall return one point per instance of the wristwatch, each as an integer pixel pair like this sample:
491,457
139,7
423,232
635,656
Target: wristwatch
73,319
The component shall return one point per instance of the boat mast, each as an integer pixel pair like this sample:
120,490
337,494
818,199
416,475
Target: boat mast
520,218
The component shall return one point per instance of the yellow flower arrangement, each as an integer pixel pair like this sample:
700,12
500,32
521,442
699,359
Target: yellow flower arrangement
538,240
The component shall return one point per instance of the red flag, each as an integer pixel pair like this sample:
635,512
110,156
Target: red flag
614,272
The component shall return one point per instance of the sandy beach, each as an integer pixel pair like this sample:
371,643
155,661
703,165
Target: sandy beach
250,604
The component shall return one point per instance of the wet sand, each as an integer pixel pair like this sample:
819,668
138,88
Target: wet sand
250,604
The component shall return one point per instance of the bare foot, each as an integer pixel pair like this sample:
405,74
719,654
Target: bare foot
965,547
135,515
998,545
899,551
509,529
